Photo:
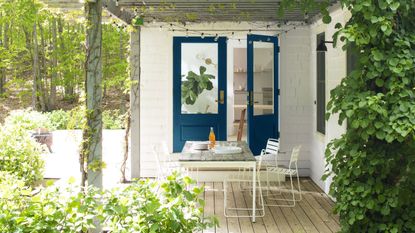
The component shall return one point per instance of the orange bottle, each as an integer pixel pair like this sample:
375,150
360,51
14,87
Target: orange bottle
212,138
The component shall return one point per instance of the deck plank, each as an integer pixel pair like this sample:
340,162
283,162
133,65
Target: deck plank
318,199
245,223
312,214
288,213
224,224
259,225
209,204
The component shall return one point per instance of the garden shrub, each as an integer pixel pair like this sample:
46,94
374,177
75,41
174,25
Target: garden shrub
53,209
373,162
20,155
144,206
76,118
63,120
58,119
29,120
113,119
151,206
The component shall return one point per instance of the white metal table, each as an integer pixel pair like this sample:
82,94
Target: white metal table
191,159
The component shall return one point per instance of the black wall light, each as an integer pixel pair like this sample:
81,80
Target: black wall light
321,47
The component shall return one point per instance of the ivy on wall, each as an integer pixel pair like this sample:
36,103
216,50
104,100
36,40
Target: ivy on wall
373,162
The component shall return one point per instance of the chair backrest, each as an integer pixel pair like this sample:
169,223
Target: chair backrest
273,146
241,125
294,155
161,153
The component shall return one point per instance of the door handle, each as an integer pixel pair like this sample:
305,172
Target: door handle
222,97
251,98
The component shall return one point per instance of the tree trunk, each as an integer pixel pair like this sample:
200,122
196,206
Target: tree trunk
54,76
93,86
69,90
35,68
4,69
42,81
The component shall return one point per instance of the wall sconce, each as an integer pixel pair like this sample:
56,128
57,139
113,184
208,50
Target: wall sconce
321,47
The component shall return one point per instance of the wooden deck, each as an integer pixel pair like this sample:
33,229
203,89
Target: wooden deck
312,214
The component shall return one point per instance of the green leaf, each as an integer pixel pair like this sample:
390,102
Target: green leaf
379,82
202,70
394,6
377,55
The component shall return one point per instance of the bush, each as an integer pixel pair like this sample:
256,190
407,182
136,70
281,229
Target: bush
54,209
59,119
151,206
62,120
28,120
77,118
20,155
113,119
144,206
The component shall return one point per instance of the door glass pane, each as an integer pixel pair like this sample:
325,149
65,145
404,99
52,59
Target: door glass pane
199,70
263,78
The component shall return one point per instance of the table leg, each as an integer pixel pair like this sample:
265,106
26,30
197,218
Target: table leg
254,193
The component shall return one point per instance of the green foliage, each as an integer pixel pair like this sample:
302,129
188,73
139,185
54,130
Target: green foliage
20,155
113,119
61,52
59,119
53,209
76,118
143,206
29,120
151,206
195,85
62,120
373,161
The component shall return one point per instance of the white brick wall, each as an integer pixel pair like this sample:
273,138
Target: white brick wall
335,72
297,83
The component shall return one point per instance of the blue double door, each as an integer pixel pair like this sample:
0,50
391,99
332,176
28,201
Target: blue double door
200,92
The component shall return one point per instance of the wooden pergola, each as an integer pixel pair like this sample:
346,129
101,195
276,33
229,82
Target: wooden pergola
193,10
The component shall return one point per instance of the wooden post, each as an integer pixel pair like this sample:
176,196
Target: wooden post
135,102
93,86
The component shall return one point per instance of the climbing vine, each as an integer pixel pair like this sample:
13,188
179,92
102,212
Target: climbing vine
373,161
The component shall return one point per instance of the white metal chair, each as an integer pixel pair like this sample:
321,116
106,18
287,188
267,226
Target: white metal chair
165,166
291,171
241,177
269,159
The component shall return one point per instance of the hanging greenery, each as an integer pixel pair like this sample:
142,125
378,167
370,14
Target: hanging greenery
373,162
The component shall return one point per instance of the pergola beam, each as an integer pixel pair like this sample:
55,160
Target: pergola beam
119,12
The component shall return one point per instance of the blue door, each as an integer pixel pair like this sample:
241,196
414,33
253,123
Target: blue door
199,89
263,92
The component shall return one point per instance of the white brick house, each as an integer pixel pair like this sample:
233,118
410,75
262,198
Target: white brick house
153,107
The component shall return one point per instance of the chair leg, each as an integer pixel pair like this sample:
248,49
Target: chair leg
299,188
292,189
225,197
268,183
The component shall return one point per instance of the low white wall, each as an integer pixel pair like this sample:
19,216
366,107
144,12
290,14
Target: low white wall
156,102
63,162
